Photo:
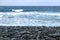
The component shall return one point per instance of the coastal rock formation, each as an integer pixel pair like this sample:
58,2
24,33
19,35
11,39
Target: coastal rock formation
29,33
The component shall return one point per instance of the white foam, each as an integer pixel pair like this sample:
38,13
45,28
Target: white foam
28,13
18,21
17,10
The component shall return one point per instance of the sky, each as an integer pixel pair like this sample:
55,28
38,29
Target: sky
29,2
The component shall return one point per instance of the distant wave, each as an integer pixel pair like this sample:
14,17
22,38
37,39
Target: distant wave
17,10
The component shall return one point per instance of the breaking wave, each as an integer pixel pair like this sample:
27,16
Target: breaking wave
29,19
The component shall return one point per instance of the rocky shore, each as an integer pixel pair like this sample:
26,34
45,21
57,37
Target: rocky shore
29,33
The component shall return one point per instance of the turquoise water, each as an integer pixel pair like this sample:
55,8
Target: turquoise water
31,8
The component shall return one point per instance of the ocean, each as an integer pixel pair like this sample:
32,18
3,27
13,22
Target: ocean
29,15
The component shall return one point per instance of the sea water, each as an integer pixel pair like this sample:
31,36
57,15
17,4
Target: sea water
30,16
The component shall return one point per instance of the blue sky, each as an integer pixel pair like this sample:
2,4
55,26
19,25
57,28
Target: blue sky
29,2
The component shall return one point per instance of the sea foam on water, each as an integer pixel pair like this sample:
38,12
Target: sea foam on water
29,19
